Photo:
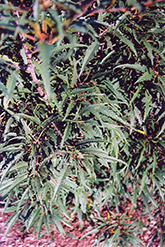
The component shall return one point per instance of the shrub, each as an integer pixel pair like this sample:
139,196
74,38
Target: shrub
81,114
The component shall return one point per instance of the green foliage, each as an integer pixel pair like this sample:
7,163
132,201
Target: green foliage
81,114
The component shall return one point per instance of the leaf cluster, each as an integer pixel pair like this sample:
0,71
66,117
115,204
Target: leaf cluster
81,114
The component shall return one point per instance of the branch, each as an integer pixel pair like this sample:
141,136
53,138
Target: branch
30,67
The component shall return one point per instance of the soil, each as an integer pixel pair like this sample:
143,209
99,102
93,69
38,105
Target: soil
17,238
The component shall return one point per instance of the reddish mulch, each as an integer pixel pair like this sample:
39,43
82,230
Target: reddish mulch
17,238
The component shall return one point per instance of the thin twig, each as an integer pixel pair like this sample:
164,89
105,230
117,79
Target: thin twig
30,67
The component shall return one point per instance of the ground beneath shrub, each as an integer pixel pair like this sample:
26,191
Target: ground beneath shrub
16,237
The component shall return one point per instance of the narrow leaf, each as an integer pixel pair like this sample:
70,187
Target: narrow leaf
126,41
89,54
45,51
139,67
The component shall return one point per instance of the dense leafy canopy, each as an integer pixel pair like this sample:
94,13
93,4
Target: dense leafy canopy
81,113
